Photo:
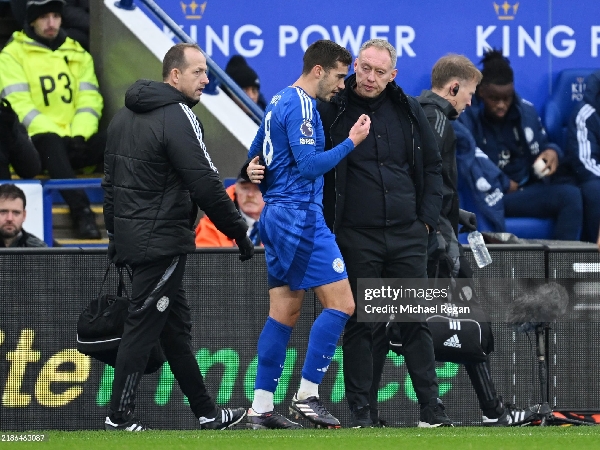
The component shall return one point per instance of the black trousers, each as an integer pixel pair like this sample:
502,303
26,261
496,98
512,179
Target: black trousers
480,372
158,310
61,160
394,252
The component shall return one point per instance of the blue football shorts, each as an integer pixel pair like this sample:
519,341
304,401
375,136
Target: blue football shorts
300,250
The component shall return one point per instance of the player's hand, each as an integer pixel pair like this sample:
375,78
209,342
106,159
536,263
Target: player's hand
551,158
246,248
360,130
468,220
255,171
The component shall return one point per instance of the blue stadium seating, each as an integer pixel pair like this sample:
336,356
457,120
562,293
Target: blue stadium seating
567,91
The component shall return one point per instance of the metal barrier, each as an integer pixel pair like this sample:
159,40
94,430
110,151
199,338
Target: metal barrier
216,73
54,185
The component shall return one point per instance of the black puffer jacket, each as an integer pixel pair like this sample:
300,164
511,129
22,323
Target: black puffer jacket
423,155
156,170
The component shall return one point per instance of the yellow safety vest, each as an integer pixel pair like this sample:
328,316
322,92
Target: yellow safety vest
51,91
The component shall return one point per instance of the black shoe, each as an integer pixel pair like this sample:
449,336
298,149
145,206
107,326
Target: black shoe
131,425
85,226
511,417
269,421
313,410
360,417
433,414
226,418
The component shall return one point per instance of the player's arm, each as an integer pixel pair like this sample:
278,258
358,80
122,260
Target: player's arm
313,164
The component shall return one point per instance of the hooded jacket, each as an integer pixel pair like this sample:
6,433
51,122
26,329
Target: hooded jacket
528,135
440,112
156,170
583,142
422,152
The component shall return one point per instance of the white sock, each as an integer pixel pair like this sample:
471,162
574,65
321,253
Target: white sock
307,389
263,401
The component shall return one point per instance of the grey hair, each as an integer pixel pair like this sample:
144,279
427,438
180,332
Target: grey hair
382,44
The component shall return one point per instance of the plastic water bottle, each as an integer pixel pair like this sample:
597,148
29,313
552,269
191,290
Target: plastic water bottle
480,251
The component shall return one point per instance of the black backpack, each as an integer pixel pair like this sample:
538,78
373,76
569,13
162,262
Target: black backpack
100,326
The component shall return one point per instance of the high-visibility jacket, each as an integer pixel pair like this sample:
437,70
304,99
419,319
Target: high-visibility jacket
51,91
207,234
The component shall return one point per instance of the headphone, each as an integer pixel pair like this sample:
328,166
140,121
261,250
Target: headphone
454,90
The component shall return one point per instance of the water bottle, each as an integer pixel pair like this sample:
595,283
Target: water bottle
480,251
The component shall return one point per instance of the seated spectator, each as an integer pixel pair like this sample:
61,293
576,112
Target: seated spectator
16,148
249,202
508,130
246,78
75,19
583,154
12,216
50,82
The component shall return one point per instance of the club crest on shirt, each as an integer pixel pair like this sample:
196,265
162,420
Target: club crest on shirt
338,265
306,129
162,304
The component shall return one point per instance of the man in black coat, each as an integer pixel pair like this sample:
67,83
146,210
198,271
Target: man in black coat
157,172
454,79
382,201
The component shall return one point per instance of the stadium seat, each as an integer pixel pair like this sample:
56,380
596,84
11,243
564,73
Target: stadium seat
567,91
522,227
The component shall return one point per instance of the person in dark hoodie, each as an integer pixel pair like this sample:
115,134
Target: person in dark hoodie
509,131
454,79
382,201
583,154
157,172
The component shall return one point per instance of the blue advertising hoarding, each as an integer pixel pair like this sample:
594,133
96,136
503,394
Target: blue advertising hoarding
539,37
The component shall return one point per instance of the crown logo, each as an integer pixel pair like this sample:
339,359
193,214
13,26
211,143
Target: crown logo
506,11
193,10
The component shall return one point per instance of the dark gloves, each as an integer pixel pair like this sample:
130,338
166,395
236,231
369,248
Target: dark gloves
468,220
112,252
7,115
246,248
77,144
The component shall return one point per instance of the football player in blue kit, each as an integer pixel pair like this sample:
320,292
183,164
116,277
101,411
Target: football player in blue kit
301,251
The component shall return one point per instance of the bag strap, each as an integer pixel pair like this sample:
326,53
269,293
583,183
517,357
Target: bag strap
104,279
122,287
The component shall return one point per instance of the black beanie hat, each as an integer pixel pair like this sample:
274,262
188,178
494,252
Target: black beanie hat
240,72
37,8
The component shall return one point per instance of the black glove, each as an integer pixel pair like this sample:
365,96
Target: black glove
468,220
77,144
112,252
7,115
246,248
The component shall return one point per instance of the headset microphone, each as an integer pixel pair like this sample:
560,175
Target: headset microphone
455,90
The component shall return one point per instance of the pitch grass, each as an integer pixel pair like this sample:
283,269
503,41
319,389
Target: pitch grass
530,438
